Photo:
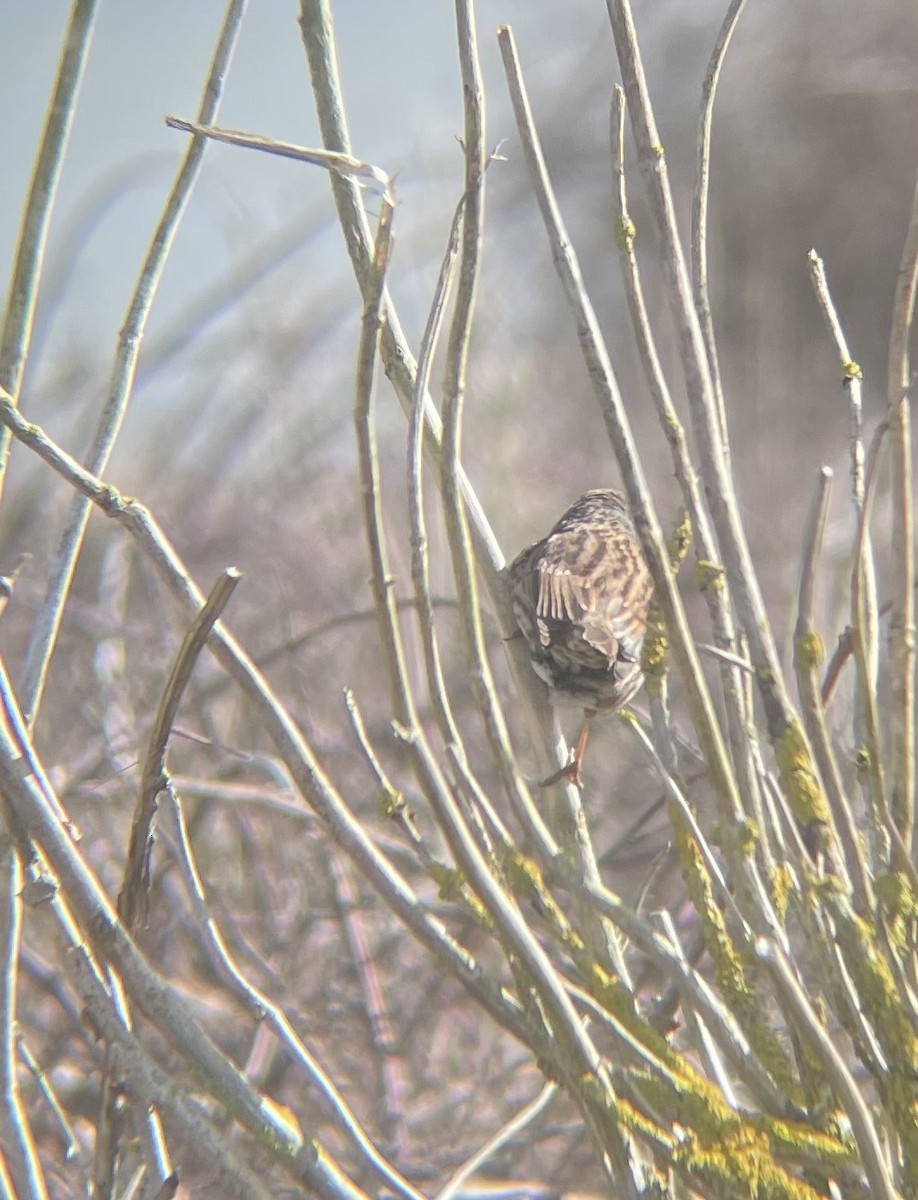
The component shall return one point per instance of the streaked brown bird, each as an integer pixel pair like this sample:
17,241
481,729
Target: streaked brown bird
580,598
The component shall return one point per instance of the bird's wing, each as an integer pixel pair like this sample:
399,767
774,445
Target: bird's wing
597,581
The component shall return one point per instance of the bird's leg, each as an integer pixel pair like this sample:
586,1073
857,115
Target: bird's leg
580,748
571,772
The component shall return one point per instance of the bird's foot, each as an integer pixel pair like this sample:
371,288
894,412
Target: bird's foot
569,773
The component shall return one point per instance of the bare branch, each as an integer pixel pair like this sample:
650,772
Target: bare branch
700,208
121,385
134,894
22,295
902,621
15,1133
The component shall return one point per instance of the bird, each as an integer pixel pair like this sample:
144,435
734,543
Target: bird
580,598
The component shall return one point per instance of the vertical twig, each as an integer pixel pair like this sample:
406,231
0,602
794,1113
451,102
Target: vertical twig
72,1147
321,50
707,553
15,1135
808,654
864,641
368,463
22,295
851,375
619,430
260,1004
454,397
420,568
798,1006
420,564
298,756
793,754
133,895
700,210
322,53
47,623
902,620
574,1045
389,1093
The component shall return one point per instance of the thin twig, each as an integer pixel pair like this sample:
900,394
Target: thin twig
420,562
420,566
20,732
391,1088
361,616
22,294
902,622
72,1149
493,1145
707,554
794,756
619,430
807,657
321,49
390,635
688,816
305,770
16,1135
345,165
47,623
799,1007
133,896
700,209
457,351
395,804
322,53
864,630
262,1007
851,376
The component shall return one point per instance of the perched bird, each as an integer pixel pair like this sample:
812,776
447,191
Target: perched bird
580,598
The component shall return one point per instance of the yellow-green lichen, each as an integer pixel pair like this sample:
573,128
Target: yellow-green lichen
896,895
809,650
709,574
747,835
688,1120
897,1093
655,653
607,1109
729,967
391,804
526,879
804,793
740,1163
612,995
782,885
453,887
741,1151
679,542
625,233
798,1141
877,992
